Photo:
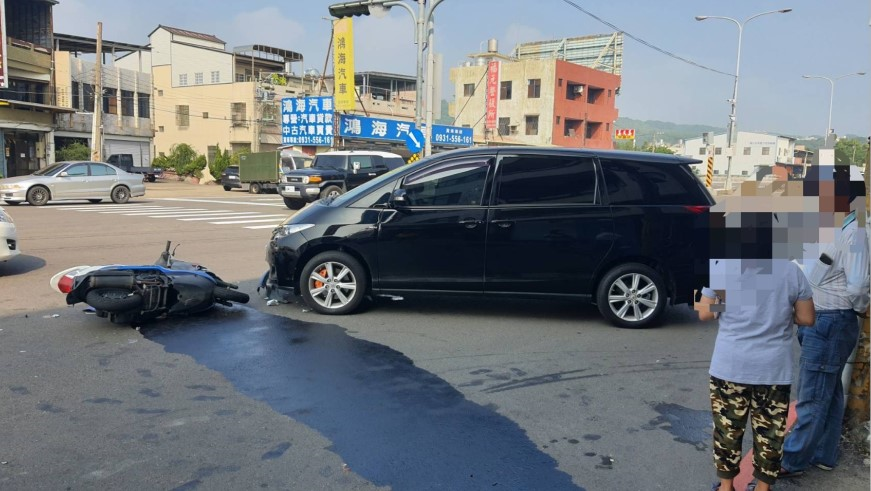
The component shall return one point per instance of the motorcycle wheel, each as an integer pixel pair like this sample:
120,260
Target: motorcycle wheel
113,300
230,295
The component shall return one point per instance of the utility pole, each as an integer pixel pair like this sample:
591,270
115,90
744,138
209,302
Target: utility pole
96,130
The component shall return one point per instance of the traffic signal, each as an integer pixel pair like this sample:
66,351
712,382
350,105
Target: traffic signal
350,9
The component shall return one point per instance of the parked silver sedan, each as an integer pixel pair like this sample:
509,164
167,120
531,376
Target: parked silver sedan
92,181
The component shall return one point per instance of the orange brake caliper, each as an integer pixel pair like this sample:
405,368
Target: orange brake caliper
322,273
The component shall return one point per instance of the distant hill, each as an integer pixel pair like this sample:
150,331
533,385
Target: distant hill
669,133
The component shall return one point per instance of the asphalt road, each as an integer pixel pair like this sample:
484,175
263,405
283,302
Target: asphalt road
439,393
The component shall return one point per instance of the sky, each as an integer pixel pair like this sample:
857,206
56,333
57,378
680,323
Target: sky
823,38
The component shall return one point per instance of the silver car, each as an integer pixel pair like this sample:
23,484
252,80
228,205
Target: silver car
92,181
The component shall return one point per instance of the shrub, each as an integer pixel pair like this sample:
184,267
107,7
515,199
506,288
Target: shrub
221,162
73,151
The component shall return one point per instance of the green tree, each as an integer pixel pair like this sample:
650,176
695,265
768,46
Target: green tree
222,161
73,151
851,151
185,161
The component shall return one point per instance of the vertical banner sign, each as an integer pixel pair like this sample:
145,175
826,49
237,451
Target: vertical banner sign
343,64
4,72
492,94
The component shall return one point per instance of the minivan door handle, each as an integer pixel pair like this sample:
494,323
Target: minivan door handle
502,223
470,222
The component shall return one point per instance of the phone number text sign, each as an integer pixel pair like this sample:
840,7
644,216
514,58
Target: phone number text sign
307,121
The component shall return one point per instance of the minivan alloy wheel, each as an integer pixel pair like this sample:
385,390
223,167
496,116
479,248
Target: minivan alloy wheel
633,297
333,283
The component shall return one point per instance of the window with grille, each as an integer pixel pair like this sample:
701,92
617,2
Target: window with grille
183,79
198,78
468,90
237,112
532,125
216,77
182,116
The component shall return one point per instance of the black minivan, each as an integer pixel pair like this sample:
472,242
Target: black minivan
624,230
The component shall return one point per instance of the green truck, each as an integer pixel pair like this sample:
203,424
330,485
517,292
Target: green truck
263,170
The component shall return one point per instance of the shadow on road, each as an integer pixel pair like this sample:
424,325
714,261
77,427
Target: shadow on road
392,423
21,264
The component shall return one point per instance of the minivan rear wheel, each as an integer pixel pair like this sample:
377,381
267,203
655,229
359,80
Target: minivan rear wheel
631,295
333,283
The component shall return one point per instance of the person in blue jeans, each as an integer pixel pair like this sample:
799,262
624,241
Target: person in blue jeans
840,283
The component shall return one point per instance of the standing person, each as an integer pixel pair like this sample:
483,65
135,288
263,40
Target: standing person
757,299
840,282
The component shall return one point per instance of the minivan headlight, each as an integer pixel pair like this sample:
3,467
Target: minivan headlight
290,229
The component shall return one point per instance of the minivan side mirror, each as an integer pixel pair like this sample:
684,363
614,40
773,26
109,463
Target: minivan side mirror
399,198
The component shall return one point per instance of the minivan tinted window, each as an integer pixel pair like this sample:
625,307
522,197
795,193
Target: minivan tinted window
646,183
452,183
540,180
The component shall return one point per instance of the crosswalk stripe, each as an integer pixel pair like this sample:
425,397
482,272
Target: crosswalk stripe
248,215
175,212
103,207
117,212
233,222
255,227
198,214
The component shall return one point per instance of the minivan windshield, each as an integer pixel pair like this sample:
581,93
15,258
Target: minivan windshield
361,190
338,162
50,170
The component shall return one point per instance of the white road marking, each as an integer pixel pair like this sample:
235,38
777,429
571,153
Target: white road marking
116,212
255,227
174,212
247,215
199,200
259,219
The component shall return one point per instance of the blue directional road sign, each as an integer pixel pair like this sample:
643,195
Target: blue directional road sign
414,140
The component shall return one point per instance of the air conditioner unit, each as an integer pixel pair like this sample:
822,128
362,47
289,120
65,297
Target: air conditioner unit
579,89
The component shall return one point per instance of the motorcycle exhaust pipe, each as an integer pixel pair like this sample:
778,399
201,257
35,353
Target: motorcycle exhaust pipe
126,281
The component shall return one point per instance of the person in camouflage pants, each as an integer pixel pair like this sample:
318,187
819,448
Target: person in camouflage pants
767,406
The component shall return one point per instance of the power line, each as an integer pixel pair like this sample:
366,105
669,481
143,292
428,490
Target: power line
646,43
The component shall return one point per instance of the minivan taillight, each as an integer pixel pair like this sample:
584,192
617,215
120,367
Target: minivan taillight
697,209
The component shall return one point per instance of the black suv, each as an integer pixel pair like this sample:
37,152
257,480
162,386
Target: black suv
230,178
334,173
625,230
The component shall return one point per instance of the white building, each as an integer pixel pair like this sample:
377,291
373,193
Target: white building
753,152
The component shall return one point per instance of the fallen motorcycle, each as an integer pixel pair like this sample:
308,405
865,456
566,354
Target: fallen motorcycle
129,294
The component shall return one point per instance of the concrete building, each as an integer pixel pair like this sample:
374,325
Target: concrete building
541,101
126,99
756,154
207,96
28,101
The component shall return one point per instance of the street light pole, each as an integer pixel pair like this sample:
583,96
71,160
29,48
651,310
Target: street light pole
829,129
423,29
731,134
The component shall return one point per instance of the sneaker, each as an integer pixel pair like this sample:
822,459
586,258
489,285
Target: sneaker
823,467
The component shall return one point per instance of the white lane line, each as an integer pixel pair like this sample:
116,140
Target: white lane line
255,227
182,210
247,215
233,222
